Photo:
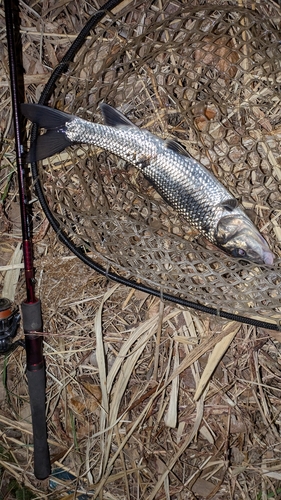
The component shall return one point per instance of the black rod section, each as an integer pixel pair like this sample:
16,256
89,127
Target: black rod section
31,307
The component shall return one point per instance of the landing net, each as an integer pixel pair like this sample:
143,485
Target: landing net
209,75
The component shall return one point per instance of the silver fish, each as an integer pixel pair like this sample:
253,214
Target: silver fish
184,183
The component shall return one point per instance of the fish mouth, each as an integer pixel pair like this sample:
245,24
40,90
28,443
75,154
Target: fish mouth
266,255
268,258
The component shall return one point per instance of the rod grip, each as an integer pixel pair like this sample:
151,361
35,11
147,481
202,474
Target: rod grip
32,316
36,377
36,387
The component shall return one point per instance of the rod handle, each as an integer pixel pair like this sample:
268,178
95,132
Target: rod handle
36,387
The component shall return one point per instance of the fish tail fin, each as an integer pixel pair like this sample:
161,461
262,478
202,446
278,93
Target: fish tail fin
54,140
48,144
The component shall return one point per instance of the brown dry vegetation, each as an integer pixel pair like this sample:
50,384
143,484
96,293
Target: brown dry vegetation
144,399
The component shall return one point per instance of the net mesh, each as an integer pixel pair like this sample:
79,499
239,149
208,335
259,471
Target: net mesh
209,75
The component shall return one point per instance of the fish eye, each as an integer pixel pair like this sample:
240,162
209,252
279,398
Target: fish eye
239,252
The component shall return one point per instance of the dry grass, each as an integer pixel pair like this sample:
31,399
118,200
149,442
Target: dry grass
145,400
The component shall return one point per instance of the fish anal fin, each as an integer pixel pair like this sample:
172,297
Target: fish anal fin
114,118
176,147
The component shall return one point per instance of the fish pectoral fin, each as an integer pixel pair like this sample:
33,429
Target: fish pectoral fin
251,214
114,118
178,148
48,144
229,204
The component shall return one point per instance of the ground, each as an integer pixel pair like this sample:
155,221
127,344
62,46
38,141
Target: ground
144,399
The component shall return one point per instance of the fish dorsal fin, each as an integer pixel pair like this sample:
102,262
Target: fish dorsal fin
229,204
175,146
114,118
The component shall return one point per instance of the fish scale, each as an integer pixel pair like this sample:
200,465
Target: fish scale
183,182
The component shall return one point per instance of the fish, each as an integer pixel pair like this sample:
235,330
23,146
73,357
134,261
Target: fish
186,185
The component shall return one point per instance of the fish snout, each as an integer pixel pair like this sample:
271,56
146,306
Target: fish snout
268,257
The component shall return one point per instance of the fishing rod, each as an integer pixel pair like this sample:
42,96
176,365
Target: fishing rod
31,307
